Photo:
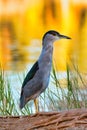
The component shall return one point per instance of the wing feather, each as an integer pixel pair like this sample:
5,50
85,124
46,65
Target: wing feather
31,73
28,77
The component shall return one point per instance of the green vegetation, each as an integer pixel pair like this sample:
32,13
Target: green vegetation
71,94
7,104
66,94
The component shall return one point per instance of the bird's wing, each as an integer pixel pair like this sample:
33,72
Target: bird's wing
30,91
31,73
26,90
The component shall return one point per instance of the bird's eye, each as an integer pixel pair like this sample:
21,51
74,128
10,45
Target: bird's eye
54,34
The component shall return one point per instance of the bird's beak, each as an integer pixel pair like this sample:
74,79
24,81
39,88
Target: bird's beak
65,37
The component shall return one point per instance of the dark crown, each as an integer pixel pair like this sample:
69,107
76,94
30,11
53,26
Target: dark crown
52,32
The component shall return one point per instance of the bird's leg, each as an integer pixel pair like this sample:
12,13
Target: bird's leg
36,102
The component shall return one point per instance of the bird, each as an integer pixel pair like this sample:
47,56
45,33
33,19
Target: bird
37,79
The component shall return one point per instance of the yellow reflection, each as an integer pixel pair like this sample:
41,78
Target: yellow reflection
5,41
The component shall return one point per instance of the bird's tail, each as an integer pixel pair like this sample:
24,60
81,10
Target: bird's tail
22,101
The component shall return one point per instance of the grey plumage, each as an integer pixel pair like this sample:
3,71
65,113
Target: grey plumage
37,79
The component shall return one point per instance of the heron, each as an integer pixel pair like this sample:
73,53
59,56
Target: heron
37,79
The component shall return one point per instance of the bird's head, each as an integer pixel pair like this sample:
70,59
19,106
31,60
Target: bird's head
53,36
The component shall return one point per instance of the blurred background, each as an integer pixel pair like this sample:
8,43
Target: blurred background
22,26
23,23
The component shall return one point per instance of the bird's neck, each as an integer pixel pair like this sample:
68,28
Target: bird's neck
47,52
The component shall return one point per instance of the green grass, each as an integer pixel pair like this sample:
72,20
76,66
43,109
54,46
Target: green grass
66,95
72,96
7,104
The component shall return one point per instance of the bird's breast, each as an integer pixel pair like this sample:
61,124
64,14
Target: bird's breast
45,74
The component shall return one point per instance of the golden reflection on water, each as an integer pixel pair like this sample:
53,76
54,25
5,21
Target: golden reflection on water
22,28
